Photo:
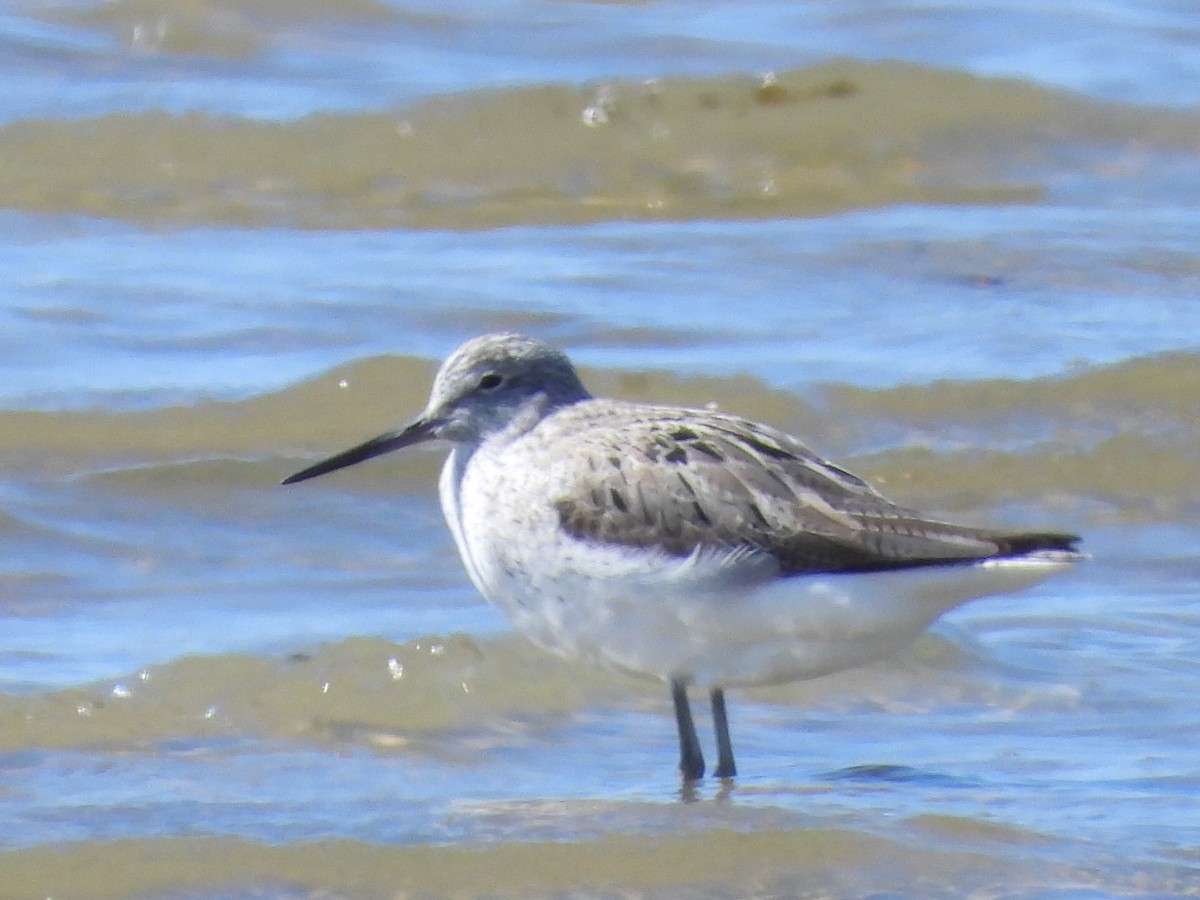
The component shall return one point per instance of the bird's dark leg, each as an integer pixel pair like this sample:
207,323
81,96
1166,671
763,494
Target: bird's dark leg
691,760
725,765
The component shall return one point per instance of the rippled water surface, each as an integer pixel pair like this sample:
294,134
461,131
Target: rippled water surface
954,246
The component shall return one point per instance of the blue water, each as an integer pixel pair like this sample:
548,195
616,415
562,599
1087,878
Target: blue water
1063,718
228,313
1141,53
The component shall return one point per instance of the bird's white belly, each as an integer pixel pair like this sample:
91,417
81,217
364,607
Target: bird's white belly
708,620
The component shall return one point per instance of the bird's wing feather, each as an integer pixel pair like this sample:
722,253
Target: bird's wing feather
682,481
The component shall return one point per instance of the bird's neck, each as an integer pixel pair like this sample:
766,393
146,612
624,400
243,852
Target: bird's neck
524,418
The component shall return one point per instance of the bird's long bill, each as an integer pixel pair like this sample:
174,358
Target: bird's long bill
420,430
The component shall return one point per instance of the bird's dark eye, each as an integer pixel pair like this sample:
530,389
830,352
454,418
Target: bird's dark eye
490,381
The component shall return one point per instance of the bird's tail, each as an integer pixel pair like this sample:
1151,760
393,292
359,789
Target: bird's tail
1024,543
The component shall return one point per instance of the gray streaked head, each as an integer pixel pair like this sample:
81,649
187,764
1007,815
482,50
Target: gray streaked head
495,380
490,384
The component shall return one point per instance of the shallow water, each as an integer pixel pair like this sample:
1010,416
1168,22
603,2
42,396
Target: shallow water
953,245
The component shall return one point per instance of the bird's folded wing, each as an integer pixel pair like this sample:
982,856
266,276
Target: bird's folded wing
720,483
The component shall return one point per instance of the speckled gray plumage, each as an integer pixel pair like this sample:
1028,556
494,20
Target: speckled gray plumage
673,479
691,545
680,479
